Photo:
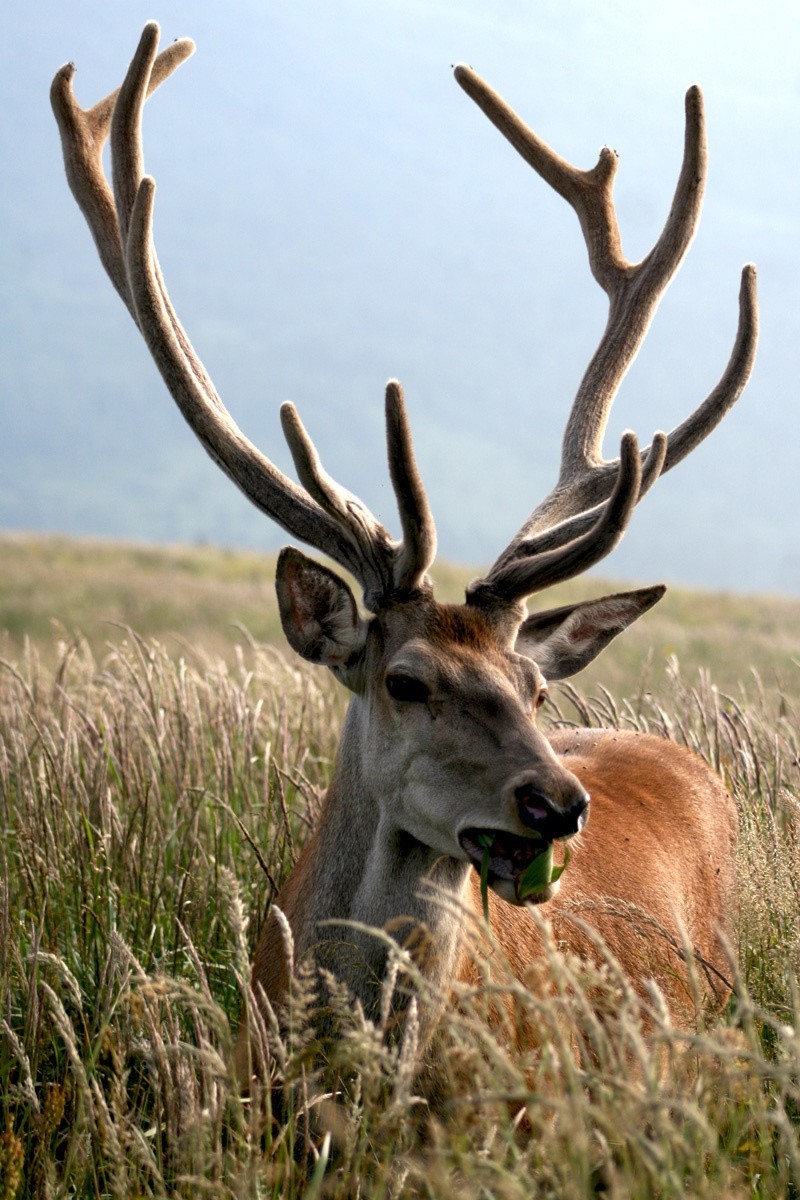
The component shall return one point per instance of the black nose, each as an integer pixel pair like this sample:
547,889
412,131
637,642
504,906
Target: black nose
549,820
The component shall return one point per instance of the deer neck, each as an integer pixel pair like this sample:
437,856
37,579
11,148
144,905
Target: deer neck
368,874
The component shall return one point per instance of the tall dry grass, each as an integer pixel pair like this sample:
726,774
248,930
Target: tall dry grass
151,805
205,595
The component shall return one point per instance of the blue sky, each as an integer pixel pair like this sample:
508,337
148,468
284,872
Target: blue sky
333,211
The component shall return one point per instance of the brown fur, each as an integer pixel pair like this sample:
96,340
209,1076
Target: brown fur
652,872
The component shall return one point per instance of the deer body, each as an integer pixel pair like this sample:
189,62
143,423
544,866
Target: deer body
441,766
651,872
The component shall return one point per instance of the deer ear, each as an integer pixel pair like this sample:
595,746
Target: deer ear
318,613
565,640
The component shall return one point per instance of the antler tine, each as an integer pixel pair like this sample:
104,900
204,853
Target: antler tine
419,531
697,426
406,563
372,545
634,289
121,222
83,135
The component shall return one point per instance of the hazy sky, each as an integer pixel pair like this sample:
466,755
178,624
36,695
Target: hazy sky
333,211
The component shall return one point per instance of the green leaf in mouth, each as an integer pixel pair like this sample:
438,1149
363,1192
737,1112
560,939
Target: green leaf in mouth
539,873
485,839
537,876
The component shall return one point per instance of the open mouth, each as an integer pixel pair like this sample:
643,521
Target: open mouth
509,855
525,862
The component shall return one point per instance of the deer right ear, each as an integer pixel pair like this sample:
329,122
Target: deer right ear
318,613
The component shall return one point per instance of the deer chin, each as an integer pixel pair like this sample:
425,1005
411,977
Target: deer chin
509,856
506,889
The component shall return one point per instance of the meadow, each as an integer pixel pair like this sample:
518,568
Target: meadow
161,762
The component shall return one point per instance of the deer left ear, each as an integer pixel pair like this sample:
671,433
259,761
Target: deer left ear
565,640
319,613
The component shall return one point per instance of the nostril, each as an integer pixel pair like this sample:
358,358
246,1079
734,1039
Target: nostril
532,804
540,813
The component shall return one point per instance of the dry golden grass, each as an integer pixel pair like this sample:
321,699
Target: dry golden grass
205,596
153,799
74,586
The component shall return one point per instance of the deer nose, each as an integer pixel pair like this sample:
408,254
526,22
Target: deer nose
549,819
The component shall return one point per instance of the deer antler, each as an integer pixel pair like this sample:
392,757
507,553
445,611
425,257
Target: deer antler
324,515
586,513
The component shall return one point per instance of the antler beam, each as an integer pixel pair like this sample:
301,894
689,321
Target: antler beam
570,518
121,221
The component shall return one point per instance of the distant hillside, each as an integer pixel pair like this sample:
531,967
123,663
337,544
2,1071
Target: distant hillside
207,600
332,211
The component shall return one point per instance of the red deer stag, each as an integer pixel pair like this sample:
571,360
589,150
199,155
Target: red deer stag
440,759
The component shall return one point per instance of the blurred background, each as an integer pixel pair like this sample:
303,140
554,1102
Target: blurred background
332,210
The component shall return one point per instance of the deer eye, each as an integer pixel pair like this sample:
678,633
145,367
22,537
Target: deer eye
406,687
541,697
